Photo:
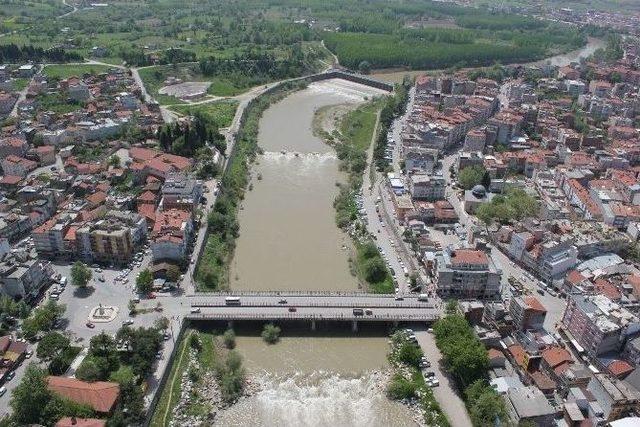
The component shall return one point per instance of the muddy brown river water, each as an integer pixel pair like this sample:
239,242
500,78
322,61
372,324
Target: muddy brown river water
289,241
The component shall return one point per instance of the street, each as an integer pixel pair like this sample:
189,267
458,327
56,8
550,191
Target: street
446,394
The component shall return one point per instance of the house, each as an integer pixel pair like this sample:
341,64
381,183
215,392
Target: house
616,398
475,197
17,166
529,404
101,396
170,236
527,313
46,154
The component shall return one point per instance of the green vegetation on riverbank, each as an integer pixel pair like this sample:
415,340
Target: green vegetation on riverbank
223,228
372,269
408,382
170,393
394,107
465,357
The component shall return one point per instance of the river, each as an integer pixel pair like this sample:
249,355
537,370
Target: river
289,241
288,236
396,75
337,380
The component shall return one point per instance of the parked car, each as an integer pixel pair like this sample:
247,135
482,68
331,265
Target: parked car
90,325
3,390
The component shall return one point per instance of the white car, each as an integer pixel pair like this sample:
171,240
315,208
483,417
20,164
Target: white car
3,390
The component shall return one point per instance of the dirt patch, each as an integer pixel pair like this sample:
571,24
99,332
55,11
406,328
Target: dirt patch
186,90
326,119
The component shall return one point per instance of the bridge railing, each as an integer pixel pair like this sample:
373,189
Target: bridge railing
298,316
313,304
298,293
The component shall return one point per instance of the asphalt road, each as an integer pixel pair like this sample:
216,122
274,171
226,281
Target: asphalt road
446,395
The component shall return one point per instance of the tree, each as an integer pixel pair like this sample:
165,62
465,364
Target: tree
91,369
234,361
400,388
161,324
375,270
42,318
144,282
173,273
410,354
229,338
30,397
80,274
485,405
364,67
471,176
123,375
114,161
51,345
271,333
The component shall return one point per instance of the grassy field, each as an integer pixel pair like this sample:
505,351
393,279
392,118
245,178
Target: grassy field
64,71
221,112
357,126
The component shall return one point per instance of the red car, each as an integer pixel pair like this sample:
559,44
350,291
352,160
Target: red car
151,296
90,325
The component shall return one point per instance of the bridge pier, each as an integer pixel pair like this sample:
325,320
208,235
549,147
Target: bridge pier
313,325
230,324
354,326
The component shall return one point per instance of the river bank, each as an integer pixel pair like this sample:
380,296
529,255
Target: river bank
395,75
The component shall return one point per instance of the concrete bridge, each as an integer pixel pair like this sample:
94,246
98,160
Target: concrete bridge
313,307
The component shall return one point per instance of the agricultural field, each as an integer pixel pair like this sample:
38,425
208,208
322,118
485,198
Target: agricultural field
246,43
64,71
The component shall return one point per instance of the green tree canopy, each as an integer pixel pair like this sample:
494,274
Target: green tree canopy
80,274
471,176
144,282
51,345
271,333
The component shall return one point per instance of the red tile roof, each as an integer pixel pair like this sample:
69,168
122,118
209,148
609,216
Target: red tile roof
534,304
101,395
80,422
468,256
620,368
555,356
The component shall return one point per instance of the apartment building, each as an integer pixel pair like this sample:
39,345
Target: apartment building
21,276
181,192
598,324
170,237
527,313
467,274
427,187
49,238
107,240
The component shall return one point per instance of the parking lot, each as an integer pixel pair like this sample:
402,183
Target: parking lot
103,289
